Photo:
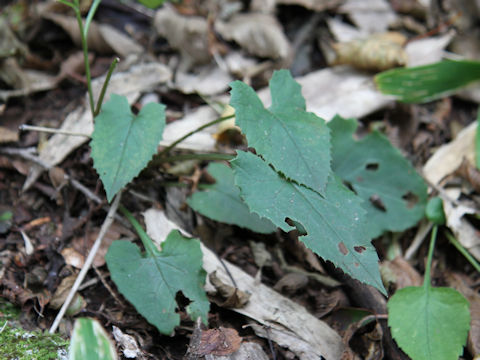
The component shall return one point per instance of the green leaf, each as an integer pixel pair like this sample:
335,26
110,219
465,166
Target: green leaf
151,282
222,202
90,341
295,142
429,323
122,143
428,82
393,192
335,223
434,211
152,4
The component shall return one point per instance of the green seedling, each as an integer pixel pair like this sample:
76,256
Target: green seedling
429,323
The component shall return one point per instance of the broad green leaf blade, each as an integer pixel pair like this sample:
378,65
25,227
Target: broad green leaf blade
122,143
90,341
429,323
428,82
222,202
335,223
295,142
394,194
151,283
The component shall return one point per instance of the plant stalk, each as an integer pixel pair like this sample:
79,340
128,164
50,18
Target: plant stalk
433,238
104,87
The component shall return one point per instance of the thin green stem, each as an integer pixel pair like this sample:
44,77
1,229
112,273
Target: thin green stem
426,279
200,128
91,13
208,157
147,242
463,251
83,35
104,87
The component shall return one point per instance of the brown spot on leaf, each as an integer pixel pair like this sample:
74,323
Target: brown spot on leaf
343,249
360,249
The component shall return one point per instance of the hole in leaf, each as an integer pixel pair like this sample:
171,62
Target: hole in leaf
360,249
372,166
377,202
349,185
343,249
410,199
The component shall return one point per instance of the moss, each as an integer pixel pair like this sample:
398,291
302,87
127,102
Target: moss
20,344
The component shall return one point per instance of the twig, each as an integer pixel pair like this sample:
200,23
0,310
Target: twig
25,127
422,232
88,262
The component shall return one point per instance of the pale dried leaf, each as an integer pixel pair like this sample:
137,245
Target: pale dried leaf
7,135
428,50
449,156
259,34
187,34
371,16
209,80
130,348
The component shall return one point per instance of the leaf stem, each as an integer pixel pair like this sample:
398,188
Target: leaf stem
146,241
104,87
433,238
463,251
200,128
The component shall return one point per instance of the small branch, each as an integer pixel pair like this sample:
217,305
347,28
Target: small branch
88,262
200,128
50,130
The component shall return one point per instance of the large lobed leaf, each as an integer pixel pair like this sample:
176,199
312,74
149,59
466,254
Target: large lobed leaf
394,194
429,323
295,142
151,282
222,202
122,143
428,82
335,223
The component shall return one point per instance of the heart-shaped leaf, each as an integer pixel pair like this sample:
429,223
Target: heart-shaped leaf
151,281
123,143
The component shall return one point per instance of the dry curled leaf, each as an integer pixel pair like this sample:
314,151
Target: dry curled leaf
470,173
234,298
259,34
378,52
219,342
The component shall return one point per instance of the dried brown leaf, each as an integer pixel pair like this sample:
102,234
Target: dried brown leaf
219,342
